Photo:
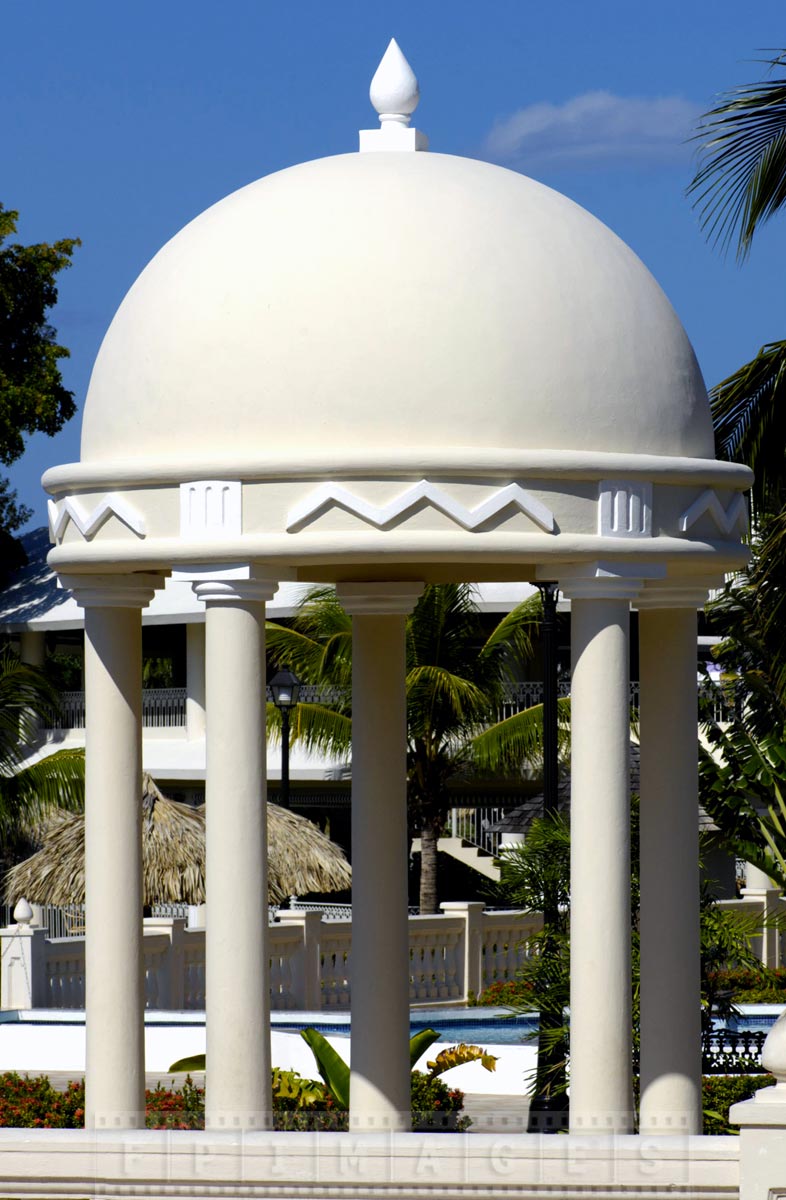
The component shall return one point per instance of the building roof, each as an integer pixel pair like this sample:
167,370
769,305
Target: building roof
518,820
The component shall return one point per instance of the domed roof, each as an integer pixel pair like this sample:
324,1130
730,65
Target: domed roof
392,301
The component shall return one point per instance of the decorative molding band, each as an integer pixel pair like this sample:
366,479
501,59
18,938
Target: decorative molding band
333,494
624,508
88,524
211,508
727,519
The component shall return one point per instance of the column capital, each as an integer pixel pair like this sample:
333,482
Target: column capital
112,591
234,591
602,580
676,593
380,599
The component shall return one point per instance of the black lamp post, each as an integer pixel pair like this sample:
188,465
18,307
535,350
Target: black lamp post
285,688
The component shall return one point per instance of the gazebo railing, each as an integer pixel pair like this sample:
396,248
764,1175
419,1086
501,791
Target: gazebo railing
452,954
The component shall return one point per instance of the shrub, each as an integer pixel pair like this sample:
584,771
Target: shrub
298,1103
719,1092
34,1104
745,985
435,1106
508,992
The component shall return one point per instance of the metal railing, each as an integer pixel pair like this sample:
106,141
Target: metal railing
473,825
162,708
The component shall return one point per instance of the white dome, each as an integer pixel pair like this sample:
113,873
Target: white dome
393,301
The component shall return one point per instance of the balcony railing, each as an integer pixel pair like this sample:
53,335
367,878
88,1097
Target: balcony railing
164,708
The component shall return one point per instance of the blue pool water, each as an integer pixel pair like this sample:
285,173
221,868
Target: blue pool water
478,1026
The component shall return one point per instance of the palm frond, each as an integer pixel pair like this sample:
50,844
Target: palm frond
741,180
429,686
749,414
518,740
513,634
29,796
27,701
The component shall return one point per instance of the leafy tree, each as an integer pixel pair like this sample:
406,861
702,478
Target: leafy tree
739,186
32,396
455,676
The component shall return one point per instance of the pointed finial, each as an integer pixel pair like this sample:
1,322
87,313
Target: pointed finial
394,89
395,95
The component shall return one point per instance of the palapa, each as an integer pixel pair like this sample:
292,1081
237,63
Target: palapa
301,859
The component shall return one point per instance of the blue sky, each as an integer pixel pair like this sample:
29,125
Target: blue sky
124,120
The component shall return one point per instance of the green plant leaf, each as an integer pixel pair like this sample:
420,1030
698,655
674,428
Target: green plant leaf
332,1068
196,1062
419,1044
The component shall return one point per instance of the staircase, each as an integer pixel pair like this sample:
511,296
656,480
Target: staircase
466,852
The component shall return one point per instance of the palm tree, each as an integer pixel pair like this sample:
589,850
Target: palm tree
28,794
739,186
455,677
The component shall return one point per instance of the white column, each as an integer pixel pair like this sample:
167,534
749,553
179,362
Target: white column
380,927
114,995
669,834
236,941
195,681
601,1099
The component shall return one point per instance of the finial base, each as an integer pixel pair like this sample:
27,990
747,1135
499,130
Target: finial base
392,136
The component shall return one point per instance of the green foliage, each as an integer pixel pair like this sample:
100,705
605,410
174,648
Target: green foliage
750,617
742,786
436,1107
741,181
739,186
455,673
34,1104
513,993
331,1066
719,1092
751,985
32,396
27,795
193,1062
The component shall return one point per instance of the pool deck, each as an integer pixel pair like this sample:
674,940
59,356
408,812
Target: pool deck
52,1042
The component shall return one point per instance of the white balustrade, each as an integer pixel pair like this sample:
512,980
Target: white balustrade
64,974
460,951
503,944
335,959
434,958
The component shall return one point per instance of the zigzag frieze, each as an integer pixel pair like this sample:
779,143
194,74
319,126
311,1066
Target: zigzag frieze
727,519
333,495
89,523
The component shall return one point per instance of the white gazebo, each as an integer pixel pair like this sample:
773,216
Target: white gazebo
383,370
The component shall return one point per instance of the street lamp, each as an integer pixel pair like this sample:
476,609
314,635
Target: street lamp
285,689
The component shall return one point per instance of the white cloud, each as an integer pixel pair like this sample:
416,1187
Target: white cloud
595,129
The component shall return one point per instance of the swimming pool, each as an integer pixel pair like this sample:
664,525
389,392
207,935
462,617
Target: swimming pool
494,1026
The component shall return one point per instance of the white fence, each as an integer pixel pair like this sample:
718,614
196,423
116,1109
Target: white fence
464,949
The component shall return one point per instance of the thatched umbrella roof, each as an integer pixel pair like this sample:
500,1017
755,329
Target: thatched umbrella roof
301,859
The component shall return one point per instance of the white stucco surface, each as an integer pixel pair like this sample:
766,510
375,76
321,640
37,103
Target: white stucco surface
362,300
54,1040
